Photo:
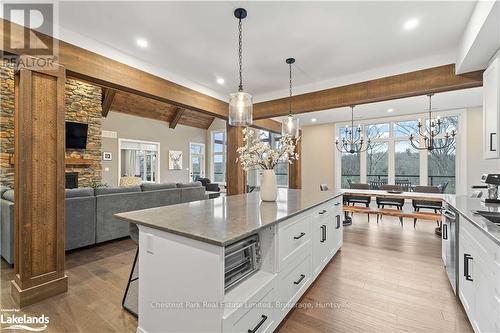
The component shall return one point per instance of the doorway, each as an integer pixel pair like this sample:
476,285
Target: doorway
196,160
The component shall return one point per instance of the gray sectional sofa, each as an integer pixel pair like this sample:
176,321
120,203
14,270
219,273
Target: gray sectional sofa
89,213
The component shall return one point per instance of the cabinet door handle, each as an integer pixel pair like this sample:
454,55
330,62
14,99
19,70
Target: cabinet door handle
467,257
338,222
302,276
321,212
302,234
264,318
445,231
491,142
323,233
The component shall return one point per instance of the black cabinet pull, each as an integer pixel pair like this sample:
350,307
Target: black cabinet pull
302,276
467,257
264,318
445,231
321,212
323,233
338,222
491,142
299,236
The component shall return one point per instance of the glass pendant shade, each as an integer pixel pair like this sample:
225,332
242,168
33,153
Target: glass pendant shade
240,109
290,126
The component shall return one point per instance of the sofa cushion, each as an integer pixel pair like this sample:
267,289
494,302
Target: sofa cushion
79,192
156,187
192,184
113,190
8,195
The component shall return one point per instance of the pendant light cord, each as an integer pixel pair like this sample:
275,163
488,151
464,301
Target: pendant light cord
290,99
240,52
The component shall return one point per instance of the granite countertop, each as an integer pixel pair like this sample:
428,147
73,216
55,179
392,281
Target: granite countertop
224,220
465,206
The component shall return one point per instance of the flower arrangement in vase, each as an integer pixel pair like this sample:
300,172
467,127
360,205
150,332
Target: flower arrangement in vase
256,154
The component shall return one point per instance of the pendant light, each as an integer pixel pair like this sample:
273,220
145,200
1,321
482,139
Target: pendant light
429,135
240,103
352,144
290,124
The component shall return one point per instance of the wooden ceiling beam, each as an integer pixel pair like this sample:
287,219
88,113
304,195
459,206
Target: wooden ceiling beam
108,95
268,125
89,66
177,117
431,80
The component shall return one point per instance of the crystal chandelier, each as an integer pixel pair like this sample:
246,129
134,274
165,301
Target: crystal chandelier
240,103
352,143
428,135
290,124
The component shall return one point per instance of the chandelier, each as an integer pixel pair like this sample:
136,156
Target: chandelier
352,141
240,103
428,135
290,124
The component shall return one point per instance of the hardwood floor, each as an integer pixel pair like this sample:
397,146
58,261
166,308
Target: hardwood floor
385,279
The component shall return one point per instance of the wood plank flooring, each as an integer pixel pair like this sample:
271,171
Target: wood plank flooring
385,279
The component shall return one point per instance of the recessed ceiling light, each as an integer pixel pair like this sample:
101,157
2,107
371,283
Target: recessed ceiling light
220,80
390,110
411,24
141,42
314,120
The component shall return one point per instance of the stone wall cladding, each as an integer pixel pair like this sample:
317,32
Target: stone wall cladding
83,105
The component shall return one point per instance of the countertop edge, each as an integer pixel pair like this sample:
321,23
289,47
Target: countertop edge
234,239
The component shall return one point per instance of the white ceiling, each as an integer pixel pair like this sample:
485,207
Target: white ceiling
193,43
451,100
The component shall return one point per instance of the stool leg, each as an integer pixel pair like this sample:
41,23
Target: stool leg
130,279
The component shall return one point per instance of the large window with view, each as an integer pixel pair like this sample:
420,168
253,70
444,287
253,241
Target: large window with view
273,139
392,159
219,156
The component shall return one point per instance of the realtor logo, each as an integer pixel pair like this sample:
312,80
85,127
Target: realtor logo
39,17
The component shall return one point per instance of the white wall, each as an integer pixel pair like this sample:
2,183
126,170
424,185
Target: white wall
476,164
318,154
138,128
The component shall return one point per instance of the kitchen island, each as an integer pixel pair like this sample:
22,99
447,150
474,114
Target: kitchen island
189,256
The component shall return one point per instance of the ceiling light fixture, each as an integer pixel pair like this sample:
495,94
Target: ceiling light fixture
240,103
390,110
411,24
141,42
353,141
428,135
290,125
314,120
220,80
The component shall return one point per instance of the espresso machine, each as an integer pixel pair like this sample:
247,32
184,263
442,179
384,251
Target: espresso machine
492,180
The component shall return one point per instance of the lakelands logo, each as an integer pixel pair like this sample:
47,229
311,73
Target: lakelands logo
24,322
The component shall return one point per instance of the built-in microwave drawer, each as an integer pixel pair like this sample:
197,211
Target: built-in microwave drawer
293,281
257,316
294,237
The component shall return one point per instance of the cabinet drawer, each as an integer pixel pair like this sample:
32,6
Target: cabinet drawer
257,316
293,281
294,238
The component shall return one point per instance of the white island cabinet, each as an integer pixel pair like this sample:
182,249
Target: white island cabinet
182,260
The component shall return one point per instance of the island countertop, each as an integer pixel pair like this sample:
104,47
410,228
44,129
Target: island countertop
224,220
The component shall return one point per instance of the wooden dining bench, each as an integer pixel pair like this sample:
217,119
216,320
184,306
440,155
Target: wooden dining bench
393,212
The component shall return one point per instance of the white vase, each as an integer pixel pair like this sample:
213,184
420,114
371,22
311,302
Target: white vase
268,186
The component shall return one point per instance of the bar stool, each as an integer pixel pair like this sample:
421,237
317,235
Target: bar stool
130,300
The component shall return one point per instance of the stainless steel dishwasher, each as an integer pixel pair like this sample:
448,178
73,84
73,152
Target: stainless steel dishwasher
449,236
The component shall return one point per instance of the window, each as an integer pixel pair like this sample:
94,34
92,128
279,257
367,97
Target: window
197,160
219,156
281,169
139,159
391,159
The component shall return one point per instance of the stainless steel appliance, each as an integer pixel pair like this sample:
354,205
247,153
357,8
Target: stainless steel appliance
241,259
450,238
493,182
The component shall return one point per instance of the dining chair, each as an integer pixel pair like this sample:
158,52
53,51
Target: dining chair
358,199
395,202
426,204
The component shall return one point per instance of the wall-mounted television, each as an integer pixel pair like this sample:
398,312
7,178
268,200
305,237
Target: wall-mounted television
76,135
